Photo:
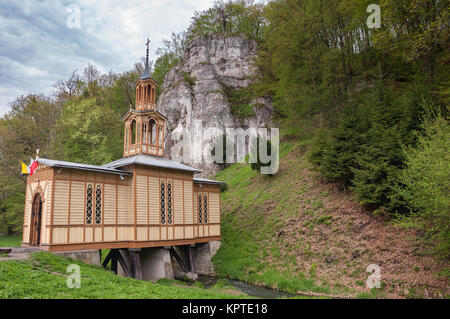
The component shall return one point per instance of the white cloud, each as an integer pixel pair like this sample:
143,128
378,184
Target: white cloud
37,48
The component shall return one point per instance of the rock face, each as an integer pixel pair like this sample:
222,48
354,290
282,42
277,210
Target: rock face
195,90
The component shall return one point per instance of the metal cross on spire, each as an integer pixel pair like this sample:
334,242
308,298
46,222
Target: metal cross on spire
147,44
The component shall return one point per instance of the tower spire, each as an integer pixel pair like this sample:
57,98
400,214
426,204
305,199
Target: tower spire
146,73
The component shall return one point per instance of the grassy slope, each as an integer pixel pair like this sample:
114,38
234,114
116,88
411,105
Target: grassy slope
11,241
295,232
45,276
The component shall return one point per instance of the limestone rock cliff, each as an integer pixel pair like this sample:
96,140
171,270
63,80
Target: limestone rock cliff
198,89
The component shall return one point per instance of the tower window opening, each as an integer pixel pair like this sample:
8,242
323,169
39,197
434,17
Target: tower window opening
133,132
152,129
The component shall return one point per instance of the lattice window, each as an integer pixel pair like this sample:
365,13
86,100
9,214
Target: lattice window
200,211
169,202
89,204
163,202
98,205
205,208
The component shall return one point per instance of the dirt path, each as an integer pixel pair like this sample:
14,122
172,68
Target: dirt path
18,253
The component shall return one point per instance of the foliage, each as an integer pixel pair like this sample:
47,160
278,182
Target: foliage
425,182
364,151
240,101
188,78
90,133
230,17
164,63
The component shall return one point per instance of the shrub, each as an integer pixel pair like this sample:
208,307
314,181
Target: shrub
425,182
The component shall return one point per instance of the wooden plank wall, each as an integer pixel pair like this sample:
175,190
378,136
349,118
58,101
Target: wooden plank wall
212,227
41,182
130,207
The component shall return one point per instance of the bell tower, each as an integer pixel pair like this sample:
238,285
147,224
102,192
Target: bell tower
144,125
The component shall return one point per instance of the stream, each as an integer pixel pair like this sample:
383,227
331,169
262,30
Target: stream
249,289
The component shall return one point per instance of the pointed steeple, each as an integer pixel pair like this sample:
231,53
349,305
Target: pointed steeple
146,74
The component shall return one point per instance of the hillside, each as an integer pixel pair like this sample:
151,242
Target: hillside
296,232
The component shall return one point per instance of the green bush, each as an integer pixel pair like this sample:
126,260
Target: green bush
425,182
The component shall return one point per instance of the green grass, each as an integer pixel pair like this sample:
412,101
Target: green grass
249,228
44,276
11,241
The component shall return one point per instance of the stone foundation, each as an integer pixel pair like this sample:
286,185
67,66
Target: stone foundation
91,257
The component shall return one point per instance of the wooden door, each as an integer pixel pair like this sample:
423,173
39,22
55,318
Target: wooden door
36,217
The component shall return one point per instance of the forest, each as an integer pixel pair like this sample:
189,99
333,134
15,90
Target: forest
373,101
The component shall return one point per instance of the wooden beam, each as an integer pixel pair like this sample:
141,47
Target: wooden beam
174,254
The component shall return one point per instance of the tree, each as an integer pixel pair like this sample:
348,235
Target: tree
89,133
425,182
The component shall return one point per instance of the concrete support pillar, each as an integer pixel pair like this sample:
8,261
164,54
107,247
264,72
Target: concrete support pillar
202,254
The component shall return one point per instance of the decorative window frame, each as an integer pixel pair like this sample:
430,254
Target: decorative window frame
93,213
166,212
162,201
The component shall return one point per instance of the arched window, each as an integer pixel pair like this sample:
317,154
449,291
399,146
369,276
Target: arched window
205,208
163,202
200,211
153,95
144,132
152,130
169,202
133,132
89,194
149,93
98,205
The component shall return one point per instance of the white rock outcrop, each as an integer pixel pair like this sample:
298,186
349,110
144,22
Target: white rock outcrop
194,90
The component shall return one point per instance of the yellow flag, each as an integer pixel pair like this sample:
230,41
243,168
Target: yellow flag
24,168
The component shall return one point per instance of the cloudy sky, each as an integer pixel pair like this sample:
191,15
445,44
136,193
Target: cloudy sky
42,41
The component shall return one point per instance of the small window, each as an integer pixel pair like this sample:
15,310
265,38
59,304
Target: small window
200,211
89,204
163,202
98,205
